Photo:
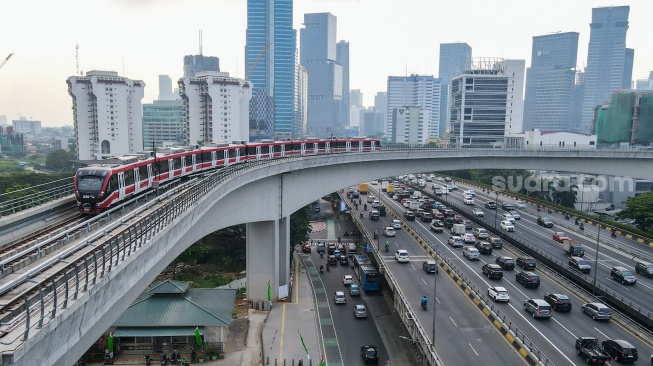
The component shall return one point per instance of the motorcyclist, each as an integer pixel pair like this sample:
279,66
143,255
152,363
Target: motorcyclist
566,216
321,268
613,232
424,301
576,221
539,208
387,246
365,207
582,227
376,234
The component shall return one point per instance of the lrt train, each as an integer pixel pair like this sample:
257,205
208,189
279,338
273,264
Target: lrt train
111,181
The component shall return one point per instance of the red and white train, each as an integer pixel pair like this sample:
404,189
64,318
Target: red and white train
99,186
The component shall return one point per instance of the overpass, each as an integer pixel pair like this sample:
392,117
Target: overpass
263,195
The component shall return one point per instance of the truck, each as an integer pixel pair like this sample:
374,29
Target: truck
363,188
458,229
437,226
414,205
573,248
384,185
390,188
591,351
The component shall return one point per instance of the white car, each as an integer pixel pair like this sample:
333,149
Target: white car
347,280
471,253
360,311
480,233
515,214
388,231
469,238
507,225
468,200
498,294
508,217
478,212
520,204
339,297
370,198
471,192
455,241
401,256
396,224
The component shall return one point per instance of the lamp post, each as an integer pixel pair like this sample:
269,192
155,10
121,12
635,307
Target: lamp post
496,203
596,260
435,287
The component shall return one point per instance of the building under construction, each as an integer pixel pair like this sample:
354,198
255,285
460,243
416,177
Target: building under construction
628,118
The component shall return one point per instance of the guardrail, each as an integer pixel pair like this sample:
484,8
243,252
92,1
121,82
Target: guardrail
26,198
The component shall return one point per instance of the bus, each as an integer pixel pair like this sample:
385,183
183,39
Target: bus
368,277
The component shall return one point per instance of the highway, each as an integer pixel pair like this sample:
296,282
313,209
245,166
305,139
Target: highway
555,337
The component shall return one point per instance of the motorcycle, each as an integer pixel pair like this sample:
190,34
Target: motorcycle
361,214
346,233
581,226
376,234
321,269
566,216
576,222
539,209
147,360
387,248
321,254
613,234
424,307
548,210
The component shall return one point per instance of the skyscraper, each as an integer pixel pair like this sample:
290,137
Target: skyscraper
270,66
318,55
421,91
342,57
550,82
454,58
198,63
609,62
165,89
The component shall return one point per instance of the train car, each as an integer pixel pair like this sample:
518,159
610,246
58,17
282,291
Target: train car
111,181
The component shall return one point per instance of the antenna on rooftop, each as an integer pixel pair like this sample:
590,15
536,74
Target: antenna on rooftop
200,41
77,58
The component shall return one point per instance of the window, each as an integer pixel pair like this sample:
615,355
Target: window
142,172
129,177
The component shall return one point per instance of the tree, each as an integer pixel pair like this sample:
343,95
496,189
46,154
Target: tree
18,190
300,226
58,160
640,209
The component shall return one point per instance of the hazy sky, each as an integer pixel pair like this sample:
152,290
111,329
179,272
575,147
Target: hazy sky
144,38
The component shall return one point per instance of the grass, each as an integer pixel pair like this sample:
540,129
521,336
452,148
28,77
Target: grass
206,281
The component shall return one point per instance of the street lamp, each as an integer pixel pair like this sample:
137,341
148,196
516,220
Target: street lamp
435,287
596,260
496,203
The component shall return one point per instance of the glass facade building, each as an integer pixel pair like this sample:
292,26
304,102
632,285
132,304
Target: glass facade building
199,63
454,59
550,82
270,66
163,123
422,91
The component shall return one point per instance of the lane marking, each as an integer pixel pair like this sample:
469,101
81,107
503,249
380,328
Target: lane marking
470,346
603,334
565,328
454,323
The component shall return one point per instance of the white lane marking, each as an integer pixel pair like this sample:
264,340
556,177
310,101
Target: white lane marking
616,283
470,346
454,323
413,267
565,328
603,334
438,300
426,284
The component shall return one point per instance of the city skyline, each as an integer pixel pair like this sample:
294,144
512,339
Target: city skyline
150,43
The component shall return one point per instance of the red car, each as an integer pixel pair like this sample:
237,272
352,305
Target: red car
306,248
559,236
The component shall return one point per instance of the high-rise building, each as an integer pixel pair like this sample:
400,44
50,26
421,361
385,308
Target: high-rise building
409,125
355,107
627,119
164,124
422,91
609,62
319,56
270,67
107,113
381,107
342,57
200,63
454,59
216,108
550,82
165,89
485,102
27,127
301,100
371,124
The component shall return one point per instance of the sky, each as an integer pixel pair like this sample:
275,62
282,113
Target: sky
141,39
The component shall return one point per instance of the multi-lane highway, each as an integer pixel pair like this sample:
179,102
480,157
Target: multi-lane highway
554,337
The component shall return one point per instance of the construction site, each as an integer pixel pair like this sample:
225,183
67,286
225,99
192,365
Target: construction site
627,119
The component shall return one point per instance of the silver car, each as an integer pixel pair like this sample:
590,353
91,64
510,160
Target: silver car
340,298
538,308
360,311
471,253
515,214
597,311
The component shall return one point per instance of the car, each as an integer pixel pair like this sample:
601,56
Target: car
376,204
427,217
508,217
469,238
558,302
491,205
468,224
496,242
337,253
527,263
343,259
480,233
409,215
597,311
448,222
559,236
388,231
623,275
471,192
515,214
449,212
478,212
331,259
471,253
506,206
620,350
483,247
401,255
507,263
498,294
370,354
351,248
579,264
354,290
455,241
528,279
360,311
370,198
457,219
306,248
396,224
644,268
507,226
347,280
520,204
544,221
430,266
538,308
492,271
339,297
331,248
374,215
468,200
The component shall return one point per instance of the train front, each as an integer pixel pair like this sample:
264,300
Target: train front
90,189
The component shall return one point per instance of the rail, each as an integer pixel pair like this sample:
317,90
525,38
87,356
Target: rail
26,198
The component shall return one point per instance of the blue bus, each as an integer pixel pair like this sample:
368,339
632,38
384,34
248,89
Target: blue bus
369,277
360,259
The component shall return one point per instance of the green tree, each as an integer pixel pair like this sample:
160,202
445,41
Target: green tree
18,190
300,226
58,160
640,209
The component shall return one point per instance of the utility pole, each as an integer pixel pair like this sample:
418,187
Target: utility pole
5,60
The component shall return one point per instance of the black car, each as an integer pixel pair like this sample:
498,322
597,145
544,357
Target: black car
496,242
331,248
468,224
558,302
622,275
448,222
427,217
507,206
506,263
528,279
331,259
620,350
430,266
370,354
491,205
409,215
382,210
492,271
644,268
483,247
343,260
544,221
527,263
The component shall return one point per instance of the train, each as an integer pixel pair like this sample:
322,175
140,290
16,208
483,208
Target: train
111,181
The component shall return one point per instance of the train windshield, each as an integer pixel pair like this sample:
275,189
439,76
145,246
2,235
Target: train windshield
89,183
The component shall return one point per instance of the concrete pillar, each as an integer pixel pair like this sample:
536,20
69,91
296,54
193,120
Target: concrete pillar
284,251
262,260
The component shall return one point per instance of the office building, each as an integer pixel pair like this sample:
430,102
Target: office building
301,100
270,67
486,102
164,124
609,62
107,114
454,58
422,91
166,92
319,56
409,125
355,107
216,108
194,64
342,57
371,124
381,107
26,127
550,82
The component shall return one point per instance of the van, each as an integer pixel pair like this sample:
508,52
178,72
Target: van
374,215
458,229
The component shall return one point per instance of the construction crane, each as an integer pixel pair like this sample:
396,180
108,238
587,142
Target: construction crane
5,60
258,59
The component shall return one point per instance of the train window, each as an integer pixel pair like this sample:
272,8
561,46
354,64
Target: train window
296,146
367,144
321,145
176,163
251,150
242,151
113,184
354,145
232,153
163,166
142,172
89,183
129,177
277,148
206,157
189,160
